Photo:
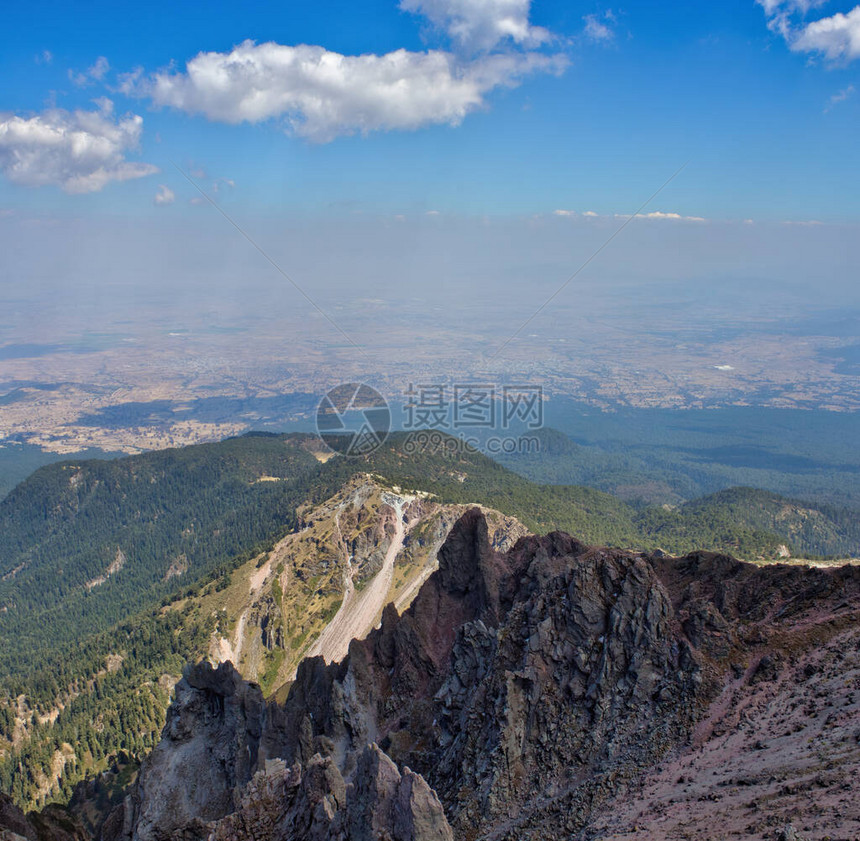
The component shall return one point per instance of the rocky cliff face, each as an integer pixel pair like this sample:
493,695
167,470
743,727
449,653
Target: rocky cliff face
208,751
528,682
775,753
537,693
315,802
200,781
51,824
272,614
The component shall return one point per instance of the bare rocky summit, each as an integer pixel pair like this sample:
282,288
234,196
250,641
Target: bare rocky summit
551,691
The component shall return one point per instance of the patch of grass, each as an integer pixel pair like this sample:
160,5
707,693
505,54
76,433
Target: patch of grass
273,666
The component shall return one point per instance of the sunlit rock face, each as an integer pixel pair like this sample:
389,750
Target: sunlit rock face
524,694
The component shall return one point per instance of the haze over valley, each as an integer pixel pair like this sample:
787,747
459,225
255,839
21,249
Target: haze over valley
430,420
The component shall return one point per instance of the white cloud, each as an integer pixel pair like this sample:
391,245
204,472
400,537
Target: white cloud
44,57
96,73
841,96
216,184
837,37
80,152
98,70
164,195
660,216
773,7
481,24
128,83
599,27
323,94
657,214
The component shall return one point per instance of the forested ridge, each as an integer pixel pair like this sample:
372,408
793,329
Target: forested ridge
162,520
91,552
80,711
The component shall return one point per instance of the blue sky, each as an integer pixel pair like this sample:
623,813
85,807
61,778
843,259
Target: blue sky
508,108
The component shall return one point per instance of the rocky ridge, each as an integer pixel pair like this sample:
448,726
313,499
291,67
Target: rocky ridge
551,691
273,613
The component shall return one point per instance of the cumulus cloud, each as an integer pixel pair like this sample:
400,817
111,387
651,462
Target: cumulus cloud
79,151
599,27
164,195
319,94
323,94
481,24
96,73
837,37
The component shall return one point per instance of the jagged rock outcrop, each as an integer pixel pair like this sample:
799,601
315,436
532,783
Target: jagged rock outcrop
266,615
531,692
551,670
207,752
314,803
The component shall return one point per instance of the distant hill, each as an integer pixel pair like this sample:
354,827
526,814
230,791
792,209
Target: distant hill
809,529
656,456
87,544
19,460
